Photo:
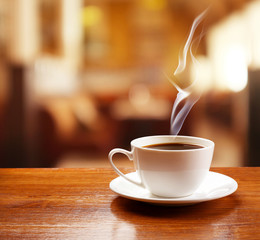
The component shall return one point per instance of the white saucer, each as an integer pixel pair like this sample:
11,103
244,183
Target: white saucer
215,186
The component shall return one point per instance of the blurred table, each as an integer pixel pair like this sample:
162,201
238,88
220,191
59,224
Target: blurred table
78,204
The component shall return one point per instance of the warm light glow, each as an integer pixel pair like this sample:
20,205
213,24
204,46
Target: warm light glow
23,37
235,69
201,72
229,52
234,44
252,17
91,15
54,76
154,5
71,31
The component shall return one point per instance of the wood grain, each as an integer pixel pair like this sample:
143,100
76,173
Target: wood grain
78,204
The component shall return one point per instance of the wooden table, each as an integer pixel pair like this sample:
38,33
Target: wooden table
78,204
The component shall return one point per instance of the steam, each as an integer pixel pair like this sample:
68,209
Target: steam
188,44
186,96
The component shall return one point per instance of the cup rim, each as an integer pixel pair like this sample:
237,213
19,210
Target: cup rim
188,140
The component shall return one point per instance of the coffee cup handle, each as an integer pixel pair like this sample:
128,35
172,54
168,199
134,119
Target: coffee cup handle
130,157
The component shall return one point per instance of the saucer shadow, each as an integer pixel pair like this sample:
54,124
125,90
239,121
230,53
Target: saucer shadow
213,210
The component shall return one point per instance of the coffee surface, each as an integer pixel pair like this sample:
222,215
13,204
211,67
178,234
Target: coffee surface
173,146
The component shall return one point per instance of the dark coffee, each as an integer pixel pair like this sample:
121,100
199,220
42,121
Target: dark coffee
173,146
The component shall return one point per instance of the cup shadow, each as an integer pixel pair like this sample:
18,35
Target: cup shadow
213,210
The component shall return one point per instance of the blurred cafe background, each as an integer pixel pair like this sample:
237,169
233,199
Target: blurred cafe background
80,77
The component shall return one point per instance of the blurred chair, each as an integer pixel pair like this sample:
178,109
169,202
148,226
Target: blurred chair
69,125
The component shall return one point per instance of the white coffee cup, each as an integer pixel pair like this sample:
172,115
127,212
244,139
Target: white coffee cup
168,173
